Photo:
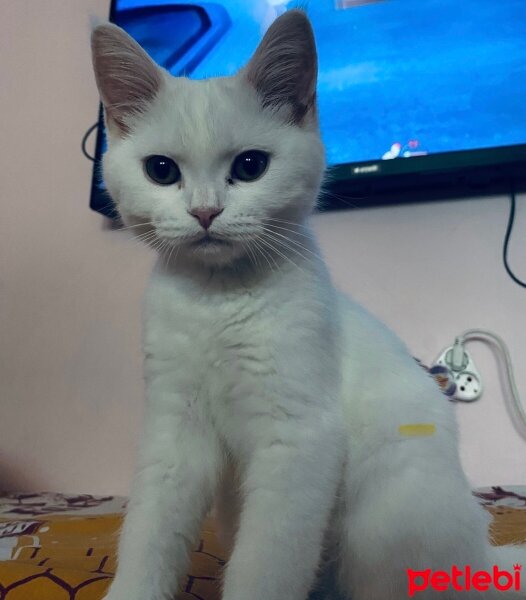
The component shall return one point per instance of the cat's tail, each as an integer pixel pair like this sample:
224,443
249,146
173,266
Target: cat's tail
512,553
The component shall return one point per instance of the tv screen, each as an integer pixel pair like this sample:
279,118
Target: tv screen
413,94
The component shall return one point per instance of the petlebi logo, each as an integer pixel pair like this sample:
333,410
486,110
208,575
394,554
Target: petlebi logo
463,580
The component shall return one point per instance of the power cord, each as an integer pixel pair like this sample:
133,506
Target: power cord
85,140
458,354
509,228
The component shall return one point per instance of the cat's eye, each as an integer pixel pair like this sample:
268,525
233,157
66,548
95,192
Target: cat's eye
162,170
249,165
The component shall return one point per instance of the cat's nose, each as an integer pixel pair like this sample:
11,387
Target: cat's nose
205,216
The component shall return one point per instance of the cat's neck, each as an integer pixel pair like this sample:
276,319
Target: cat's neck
245,273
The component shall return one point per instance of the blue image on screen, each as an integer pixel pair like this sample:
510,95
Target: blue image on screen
397,78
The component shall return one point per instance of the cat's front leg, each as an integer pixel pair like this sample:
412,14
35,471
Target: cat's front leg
289,489
173,487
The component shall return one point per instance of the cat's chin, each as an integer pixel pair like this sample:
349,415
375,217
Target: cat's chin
211,251
210,245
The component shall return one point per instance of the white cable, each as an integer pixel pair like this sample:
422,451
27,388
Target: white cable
517,404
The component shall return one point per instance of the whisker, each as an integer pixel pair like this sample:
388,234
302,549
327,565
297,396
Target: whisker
250,252
306,235
177,253
266,242
143,239
146,235
286,247
288,222
155,244
296,243
145,224
171,252
325,197
265,255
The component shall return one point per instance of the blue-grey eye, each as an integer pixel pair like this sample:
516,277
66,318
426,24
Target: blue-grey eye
249,165
162,170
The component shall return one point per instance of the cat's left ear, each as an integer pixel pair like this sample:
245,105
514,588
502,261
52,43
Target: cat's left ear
284,67
127,78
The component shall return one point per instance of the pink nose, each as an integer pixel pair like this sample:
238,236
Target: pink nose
205,216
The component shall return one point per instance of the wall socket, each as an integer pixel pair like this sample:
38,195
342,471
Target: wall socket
464,373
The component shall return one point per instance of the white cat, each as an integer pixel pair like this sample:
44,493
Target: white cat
327,448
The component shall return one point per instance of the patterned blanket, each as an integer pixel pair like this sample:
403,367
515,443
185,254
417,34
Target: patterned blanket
62,547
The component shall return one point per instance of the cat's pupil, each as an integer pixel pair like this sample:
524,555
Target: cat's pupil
249,165
162,170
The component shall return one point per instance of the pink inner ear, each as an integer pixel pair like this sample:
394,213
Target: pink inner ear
284,67
128,80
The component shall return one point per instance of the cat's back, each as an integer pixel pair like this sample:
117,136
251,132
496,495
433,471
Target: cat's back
384,388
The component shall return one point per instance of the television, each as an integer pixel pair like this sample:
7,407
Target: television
418,99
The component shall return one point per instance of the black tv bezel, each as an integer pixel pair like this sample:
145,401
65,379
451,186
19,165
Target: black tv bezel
464,173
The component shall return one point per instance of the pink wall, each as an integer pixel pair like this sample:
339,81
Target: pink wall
70,288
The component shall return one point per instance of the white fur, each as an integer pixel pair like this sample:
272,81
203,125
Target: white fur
268,390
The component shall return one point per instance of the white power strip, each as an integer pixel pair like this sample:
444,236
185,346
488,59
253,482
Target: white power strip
464,373
467,378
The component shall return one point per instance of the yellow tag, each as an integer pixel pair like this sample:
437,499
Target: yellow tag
417,429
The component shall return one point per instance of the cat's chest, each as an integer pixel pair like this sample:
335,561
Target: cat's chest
210,342
236,357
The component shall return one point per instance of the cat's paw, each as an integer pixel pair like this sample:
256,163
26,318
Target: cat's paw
129,593
124,596
145,588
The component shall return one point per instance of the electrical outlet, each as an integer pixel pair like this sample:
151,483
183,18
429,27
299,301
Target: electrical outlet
469,386
446,360
464,373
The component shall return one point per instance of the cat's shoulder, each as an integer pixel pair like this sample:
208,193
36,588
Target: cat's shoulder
364,332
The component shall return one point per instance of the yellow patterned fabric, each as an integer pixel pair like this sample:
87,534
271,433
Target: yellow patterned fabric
60,547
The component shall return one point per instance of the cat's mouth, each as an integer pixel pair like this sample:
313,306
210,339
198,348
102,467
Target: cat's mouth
209,240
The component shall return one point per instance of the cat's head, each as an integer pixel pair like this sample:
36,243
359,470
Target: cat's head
212,167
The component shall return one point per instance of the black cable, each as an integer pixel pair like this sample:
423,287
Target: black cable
85,139
509,228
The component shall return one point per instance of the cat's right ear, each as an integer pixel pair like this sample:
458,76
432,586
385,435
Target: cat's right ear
127,78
